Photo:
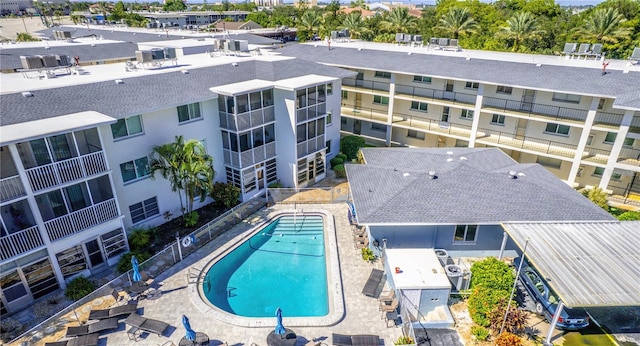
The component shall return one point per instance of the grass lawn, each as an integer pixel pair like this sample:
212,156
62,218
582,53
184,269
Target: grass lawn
592,335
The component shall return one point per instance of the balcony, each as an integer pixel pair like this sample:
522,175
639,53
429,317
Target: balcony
379,115
528,109
245,121
352,84
608,119
535,145
629,156
451,98
249,157
432,126
310,146
11,188
311,112
82,219
20,242
61,172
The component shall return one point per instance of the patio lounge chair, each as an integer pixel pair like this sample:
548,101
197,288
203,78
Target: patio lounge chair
371,286
635,56
596,51
569,48
147,324
92,328
117,311
83,340
583,50
355,340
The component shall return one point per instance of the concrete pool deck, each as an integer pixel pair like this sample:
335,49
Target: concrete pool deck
361,314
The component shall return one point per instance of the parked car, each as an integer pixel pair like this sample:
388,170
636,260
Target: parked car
546,301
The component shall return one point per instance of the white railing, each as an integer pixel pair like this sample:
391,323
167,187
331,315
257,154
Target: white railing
77,221
11,188
20,242
60,172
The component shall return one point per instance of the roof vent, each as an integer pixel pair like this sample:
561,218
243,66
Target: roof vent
27,94
449,152
521,174
234,64
185,71
432,175
512,175
463,158
359,49
409,53
405,174
538,64
119,81
449,160
468,58
93,45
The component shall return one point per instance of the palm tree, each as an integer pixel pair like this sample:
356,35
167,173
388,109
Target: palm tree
458,22
520,27
309,21
603,26
398,20
355,24
187,167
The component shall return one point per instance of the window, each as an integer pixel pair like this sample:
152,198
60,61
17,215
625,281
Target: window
330,89
345,94
144,210
329,120
466,114
327,145
71,261
466,233
445,114
415,134
557,129
504,90
601,104
378,127
562,97
382,74
267,98
189,112
419,106
114,243
135,169
610,138
127,127
497,119
383,100
628,142
472,85
549,162
422,79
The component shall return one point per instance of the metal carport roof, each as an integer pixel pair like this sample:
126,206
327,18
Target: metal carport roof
587,263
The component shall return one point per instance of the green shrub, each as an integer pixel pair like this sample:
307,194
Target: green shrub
336,161
191,219
139,238
492,273
597,196
349,145
368,255
516,320
340,171
78,288
276,185
124,264
225,194
629,216
481,333
404,340
342,156
481,301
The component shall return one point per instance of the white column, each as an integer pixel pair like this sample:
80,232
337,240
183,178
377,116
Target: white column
392,93
476,116
615,150
552,327
505,237
582,142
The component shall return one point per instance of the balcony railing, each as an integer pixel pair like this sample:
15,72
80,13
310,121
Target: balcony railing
245,121
525,142
635,125
11,188
60,172
310,146
431,125
434,94
379,115
82,219
311,112
17,243
629,156
249,157
365,84
603,118
532,109
596,155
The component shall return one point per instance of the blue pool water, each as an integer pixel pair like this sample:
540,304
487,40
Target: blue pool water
282,265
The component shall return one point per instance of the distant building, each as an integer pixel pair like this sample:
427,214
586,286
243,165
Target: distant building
308,3
268,3
250,25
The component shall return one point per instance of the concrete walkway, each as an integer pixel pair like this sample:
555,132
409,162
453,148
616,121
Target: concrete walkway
361,312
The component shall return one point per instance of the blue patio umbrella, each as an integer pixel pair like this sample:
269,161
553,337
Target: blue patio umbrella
191,335
279,327
136,269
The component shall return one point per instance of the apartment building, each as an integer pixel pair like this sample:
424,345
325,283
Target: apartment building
76,148
581,124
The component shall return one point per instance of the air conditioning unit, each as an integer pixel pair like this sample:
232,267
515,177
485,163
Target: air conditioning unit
458,278
63,60
30,62
443,256
157,53
49,60
169,53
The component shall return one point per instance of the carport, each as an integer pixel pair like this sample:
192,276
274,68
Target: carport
587,264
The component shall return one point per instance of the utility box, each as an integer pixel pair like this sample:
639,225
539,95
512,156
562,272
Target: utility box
30,62
49,60
157,53
169,53
144,56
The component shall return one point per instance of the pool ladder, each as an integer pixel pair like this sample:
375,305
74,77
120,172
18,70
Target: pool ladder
230,293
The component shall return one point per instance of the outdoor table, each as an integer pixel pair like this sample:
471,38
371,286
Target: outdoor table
289,338
202,339
138,288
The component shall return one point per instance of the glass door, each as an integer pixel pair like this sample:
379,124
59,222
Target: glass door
94,252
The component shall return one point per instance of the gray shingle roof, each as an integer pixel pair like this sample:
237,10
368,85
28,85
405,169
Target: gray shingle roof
526,75
394,188
152,92
115,35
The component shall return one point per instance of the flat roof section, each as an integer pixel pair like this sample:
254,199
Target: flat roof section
586,264
419,269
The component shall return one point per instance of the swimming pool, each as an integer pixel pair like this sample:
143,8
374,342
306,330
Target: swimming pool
282,265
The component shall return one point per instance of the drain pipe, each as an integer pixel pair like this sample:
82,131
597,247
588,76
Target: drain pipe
178,244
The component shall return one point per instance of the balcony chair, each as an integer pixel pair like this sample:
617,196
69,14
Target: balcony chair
635,57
